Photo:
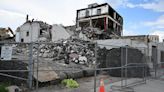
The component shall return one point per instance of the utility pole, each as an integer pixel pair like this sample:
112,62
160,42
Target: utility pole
30,66
95,67
91,25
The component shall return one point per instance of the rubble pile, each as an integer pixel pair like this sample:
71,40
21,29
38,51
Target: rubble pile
92,33
74,50
46,51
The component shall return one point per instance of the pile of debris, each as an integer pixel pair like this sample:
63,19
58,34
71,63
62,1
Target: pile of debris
92,33
67,58
73,50
96,34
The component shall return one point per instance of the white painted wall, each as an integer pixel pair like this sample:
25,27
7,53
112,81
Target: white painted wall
93,11
32,28
154,38
116,43
160,48
17,37
150,47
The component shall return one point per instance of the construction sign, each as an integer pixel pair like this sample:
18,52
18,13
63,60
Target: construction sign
6,53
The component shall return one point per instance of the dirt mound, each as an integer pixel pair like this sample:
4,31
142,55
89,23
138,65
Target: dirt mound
114,57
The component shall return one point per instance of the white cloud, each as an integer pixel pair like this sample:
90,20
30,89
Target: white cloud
158,26
130,5
3,12
159,33
117,3
157,5
51,11
159,23
11,19
128,32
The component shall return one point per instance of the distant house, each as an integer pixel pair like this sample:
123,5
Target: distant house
6,33
32,31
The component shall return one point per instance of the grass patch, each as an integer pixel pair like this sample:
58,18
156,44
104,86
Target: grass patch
3,88
70,83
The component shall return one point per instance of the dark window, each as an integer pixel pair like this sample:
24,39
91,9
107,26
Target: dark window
87,13
111,11
98,11
22,40
27,33
41,32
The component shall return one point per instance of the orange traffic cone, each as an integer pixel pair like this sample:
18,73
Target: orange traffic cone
102,88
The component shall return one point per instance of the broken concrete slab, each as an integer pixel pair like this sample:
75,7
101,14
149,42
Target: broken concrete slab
45,74
59,32
14,89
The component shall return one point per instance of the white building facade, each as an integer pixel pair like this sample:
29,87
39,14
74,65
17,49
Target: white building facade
32,31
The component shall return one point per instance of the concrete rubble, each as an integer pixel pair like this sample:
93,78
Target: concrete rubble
14,89
91,33
65,55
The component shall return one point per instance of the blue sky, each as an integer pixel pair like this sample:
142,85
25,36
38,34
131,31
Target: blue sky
141,17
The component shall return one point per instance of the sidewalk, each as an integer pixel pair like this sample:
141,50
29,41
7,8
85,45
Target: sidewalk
152,85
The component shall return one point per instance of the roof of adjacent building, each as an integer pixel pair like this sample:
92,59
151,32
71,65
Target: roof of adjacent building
41,23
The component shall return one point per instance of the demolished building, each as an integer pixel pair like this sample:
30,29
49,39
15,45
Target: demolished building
32,31
103,17
94,22
6,33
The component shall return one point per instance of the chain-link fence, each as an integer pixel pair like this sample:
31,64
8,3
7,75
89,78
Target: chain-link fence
158,71
124,65
45,66
16,65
